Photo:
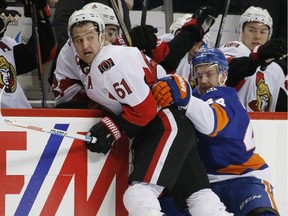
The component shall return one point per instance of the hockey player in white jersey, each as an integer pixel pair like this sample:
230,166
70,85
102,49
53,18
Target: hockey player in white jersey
19,58
237,173
259,82
120,79
184,66
67,86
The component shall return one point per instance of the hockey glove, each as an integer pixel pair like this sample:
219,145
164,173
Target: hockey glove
7,16
201,22
274,48
172,90
42,8
106,133
144,38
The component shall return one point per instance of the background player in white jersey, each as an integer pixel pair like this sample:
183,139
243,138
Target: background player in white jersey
259,82
184,66
237,174
120,78
19,58
67,86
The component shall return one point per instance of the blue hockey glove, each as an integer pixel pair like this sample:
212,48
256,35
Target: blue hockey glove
172,90
107,133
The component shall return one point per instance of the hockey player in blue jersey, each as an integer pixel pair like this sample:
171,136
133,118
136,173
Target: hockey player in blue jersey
237,174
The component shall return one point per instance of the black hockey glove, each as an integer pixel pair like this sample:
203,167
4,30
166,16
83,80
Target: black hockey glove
274,48
7,16
201,22
144,38
42,8
107,133
3,4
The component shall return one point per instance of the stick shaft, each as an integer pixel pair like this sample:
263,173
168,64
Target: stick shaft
144,12
222,22
44,130
121,22
38,55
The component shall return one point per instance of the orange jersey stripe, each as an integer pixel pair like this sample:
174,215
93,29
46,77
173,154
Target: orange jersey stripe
255,162
222,119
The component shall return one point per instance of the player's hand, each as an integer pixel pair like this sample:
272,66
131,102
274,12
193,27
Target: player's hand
42,7
272,49
172,90
7,16
201,21
144,38
106,133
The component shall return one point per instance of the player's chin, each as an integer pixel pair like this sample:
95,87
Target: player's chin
88,59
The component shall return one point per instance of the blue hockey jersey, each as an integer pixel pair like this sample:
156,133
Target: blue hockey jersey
226,138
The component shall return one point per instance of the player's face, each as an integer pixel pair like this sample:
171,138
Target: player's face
86,42
254,34
207,76
196,47
110,33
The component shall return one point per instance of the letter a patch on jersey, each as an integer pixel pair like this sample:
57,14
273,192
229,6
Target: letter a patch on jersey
106,65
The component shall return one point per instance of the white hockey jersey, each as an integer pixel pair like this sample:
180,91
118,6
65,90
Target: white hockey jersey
120,79
13,96
259,92
67,83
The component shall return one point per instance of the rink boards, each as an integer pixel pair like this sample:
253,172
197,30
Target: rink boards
44,174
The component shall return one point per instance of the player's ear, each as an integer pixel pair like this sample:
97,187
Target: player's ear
223,78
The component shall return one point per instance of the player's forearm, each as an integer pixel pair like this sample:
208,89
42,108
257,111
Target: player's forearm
170,54
239,68
201,114
25,54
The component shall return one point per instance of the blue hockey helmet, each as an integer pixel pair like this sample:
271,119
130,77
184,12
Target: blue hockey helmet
211,56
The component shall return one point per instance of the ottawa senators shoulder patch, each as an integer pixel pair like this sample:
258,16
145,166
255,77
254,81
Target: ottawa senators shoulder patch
106,65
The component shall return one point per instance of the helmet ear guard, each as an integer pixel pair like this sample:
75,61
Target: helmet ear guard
255,14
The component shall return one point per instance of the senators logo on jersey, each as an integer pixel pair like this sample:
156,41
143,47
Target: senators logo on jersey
8,76
106,65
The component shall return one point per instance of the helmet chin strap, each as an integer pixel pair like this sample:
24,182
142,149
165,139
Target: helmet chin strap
101,42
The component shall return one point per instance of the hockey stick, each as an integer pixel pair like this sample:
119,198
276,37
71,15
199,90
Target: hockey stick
222,22
38,53
121,22
144,12
3,120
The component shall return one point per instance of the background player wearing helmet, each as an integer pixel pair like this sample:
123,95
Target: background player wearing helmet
124,88
237,174
259,82
67,86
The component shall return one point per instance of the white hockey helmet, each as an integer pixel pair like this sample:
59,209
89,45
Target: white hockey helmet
86,15
107,14
179,22
256,14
